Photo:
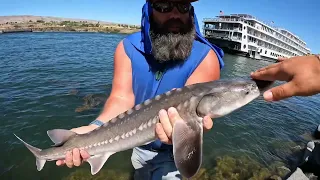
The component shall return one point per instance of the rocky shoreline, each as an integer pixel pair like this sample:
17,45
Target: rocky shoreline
66,26
69,29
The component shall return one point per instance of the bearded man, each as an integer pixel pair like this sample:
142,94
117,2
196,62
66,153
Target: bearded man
169,52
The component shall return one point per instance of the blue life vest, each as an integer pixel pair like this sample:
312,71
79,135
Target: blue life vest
150,78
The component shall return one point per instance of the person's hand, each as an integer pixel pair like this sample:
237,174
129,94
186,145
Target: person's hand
301,73
167,120
76,157
280,59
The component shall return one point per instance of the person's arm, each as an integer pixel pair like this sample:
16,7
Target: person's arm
121,99
208,70
301,73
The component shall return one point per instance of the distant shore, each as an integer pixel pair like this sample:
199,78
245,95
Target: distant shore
66,26
59,29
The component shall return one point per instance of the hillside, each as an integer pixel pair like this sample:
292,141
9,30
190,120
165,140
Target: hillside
28,18
58,24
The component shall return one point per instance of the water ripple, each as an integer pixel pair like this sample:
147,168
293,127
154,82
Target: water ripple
38,71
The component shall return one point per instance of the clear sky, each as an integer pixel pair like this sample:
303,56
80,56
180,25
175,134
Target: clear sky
301,17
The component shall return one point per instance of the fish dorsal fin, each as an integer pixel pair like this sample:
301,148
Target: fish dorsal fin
60,136
97,161
187,147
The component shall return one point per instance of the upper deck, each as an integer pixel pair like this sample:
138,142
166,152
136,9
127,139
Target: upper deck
255,22
281,34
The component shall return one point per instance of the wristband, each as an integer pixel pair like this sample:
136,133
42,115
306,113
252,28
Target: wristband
97,122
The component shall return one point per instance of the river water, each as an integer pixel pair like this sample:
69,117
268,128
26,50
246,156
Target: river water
45,76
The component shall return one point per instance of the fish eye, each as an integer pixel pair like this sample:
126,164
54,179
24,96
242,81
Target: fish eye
246,92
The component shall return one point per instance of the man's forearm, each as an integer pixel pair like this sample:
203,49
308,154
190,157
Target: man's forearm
113,107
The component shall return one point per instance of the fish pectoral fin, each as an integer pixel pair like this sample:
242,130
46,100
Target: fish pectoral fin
40,163
60,136
187,147
97,161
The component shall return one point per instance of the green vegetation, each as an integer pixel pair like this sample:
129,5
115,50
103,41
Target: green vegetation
84,174
226,167
40,21
242,168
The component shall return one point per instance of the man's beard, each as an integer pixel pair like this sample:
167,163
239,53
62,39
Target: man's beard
169,46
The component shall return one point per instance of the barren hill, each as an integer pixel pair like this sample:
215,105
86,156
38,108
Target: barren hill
29,18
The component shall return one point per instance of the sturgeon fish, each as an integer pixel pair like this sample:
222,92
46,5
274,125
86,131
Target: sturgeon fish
136,126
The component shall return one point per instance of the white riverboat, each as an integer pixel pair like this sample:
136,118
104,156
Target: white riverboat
246,35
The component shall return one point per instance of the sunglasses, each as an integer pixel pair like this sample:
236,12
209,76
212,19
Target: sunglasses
167,6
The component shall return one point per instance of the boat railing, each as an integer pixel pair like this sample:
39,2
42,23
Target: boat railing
246,20
223,36
217,34
223,19
264,41
251,18
279,38
261,35
222,28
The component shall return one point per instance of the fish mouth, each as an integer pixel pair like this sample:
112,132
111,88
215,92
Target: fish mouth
262,84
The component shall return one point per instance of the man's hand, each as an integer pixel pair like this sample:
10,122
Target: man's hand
167,120
301,73
76,157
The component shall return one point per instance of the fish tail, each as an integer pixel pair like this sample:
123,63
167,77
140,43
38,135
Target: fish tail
36,152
